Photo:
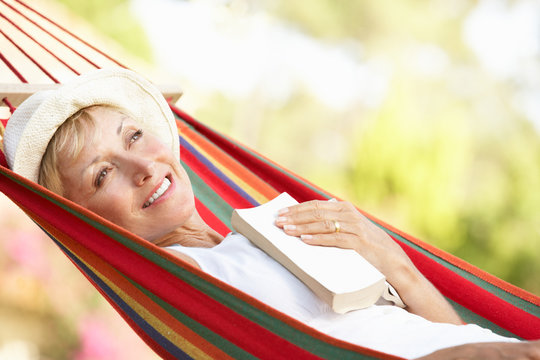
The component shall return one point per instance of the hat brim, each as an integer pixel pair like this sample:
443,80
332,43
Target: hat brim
33,124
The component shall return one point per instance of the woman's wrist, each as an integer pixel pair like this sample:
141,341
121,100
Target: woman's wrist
403,275
420,296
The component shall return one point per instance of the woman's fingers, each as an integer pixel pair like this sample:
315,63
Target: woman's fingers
320,217
315,211
316,227
340,240
316,222
314,207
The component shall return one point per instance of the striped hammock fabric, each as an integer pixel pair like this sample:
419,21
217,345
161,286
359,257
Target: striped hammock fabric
182,313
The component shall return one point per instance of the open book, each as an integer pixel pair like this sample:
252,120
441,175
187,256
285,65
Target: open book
340,277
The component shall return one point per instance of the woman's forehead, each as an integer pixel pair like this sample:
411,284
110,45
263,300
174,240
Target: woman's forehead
93,136
109,116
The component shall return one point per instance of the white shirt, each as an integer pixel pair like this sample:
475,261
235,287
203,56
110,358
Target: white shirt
385,328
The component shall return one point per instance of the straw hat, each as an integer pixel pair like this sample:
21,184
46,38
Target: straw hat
35,121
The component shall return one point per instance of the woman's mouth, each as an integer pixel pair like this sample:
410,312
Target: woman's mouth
160,191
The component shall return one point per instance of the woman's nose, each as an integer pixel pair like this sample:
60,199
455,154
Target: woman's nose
143,170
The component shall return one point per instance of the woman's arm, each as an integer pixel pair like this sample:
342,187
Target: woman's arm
314,222
489,351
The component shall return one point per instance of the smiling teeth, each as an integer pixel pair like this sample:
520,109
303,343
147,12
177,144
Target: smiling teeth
164,186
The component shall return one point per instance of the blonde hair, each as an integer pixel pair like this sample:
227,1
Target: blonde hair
69,139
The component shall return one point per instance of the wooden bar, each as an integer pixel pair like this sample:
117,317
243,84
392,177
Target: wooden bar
17,93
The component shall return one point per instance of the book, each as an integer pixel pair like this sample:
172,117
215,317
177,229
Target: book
340,277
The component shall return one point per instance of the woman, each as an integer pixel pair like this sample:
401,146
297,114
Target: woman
81,142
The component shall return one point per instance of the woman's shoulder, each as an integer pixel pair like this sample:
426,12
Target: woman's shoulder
233,244
182,256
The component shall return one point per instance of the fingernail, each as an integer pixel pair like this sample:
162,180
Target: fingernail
306,237
281,220
283,211
289,227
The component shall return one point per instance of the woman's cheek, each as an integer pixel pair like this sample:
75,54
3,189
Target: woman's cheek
111,205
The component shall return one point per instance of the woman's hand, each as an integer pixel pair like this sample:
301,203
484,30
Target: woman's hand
340,224
489,351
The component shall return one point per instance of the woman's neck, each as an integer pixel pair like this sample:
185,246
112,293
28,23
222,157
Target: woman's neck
195,233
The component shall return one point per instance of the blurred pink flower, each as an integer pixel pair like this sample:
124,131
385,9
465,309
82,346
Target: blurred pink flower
27,249
97,341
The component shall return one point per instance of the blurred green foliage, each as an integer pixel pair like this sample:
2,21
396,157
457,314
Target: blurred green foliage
114,19
445,156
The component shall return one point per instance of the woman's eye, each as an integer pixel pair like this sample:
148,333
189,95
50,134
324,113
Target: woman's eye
100,177
136,136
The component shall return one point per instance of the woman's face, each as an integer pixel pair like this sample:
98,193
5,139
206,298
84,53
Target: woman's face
128,177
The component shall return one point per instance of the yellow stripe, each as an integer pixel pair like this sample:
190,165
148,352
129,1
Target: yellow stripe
235,178
163,329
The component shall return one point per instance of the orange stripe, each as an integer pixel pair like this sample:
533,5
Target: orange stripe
462,264
223,158
454,260
199,347
236,179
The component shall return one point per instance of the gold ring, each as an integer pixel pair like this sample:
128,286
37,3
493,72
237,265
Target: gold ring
337,225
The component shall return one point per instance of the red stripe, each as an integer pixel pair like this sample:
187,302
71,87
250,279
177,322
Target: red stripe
489,306
13,70
274,177
28,56
103,267
246,334
211,219
71,34
50,34
3,161
11,109
467,267
231,164
40,44
127,287
212,180
475,298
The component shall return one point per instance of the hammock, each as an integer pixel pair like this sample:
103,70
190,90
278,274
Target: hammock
181,312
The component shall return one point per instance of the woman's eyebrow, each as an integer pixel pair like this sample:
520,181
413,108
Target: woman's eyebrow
119,130
96,159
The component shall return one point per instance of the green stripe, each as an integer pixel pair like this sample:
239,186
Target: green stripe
469,315
209,198
253,154
472,318
207,334
201,330
498,292
260,317
283,171
495,290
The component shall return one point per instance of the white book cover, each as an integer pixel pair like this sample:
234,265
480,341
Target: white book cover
341,271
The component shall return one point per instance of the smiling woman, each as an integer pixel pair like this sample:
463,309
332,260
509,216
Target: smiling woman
129,167
131,176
